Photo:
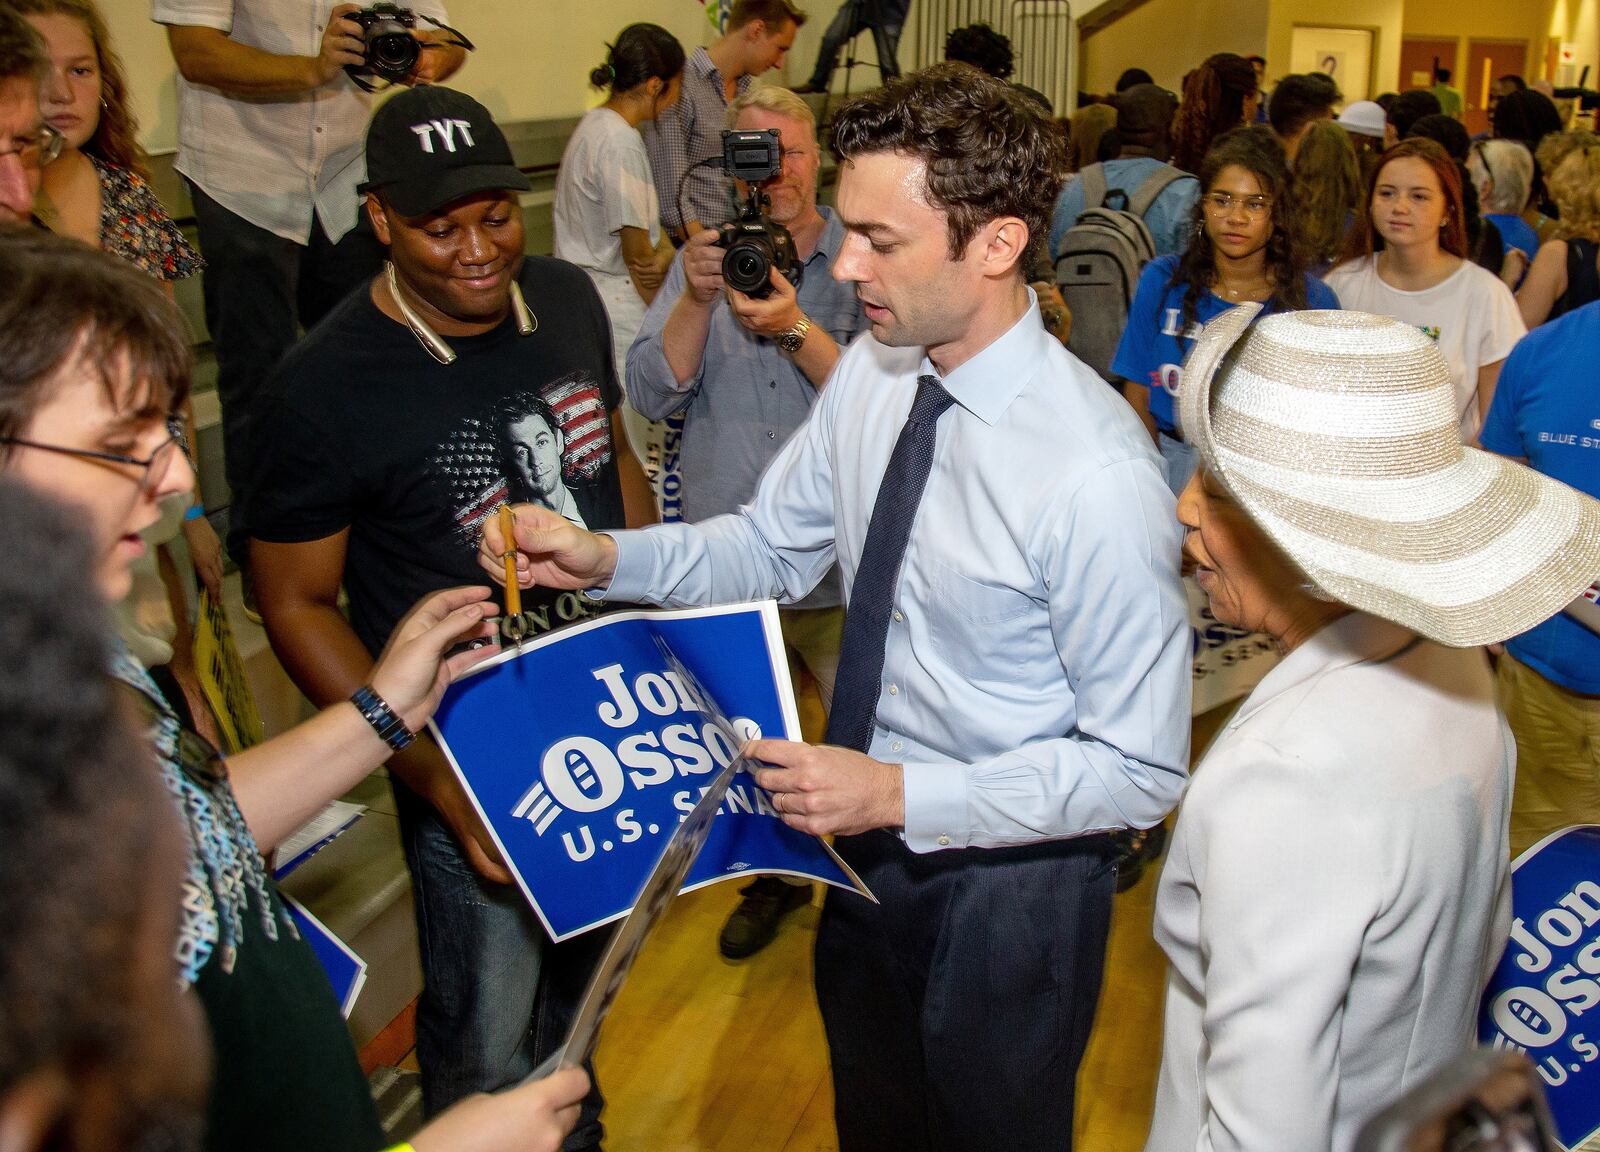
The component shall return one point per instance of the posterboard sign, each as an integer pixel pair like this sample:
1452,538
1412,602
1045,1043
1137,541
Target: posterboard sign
1540,998
1228,662
315,835
583,752
222,678
659,446
346,971
717,11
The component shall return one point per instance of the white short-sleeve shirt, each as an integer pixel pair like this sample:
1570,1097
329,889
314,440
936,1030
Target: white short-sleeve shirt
275,160
1471,315
604,186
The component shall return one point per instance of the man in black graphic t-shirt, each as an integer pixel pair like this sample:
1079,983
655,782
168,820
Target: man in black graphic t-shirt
463,377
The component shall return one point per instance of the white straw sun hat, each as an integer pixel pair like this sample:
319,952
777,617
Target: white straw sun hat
1338,433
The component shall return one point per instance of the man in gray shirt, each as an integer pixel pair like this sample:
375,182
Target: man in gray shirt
745,373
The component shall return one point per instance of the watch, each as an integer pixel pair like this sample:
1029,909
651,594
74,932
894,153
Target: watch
375,710
791,340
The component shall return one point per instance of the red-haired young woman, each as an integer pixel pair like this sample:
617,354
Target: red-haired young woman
1406,258
1220,95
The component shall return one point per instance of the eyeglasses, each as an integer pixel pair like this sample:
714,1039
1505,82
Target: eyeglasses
152,467
39,149
1221,203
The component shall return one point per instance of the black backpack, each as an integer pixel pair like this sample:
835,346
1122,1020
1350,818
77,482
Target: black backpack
1100,258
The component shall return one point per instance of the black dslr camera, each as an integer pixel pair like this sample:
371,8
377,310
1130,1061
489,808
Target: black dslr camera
389,49
754,242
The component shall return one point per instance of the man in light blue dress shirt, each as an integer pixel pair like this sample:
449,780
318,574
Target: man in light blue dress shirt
745,372
1035,683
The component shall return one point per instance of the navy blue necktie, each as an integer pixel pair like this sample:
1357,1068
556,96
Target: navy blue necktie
866,621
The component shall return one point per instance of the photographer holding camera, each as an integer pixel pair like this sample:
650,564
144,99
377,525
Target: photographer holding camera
271,146
745,370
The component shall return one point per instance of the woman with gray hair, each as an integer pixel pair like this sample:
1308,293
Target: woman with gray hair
1566,273
1502,172
1337,886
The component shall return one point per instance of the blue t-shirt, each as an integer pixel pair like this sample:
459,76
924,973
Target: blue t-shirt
1547,410
1515,232
1152,350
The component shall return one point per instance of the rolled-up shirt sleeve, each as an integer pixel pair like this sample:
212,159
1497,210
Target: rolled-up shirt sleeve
653,390
216,14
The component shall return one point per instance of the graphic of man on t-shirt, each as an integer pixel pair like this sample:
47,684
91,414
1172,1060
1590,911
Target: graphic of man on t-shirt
535,442
466,375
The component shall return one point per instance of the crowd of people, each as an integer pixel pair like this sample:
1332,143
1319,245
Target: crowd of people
1342,389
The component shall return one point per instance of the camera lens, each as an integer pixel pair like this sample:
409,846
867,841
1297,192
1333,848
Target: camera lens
392,53
745,268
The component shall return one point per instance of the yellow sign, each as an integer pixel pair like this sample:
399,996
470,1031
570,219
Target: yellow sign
222,678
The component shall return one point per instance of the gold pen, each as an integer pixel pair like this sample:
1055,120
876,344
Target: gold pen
513,589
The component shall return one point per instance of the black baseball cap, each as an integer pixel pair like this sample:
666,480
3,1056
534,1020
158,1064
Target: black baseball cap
430,146
1144,110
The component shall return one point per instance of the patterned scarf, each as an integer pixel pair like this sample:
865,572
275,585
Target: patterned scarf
223,866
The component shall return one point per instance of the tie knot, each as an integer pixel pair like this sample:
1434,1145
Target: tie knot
931,401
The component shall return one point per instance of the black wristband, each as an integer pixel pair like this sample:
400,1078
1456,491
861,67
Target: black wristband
376,711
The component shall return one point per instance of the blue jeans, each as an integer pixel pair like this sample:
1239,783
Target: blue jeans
498,995
885,37
1178,461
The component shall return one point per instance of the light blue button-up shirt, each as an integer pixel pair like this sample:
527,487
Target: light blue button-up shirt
1036,669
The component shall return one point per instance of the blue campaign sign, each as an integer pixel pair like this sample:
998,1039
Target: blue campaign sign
1549,976
583,752
346,971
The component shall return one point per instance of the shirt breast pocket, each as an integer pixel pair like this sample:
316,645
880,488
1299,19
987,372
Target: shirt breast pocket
841,321
976,627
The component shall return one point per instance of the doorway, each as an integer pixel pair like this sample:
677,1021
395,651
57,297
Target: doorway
1487,61
1418,56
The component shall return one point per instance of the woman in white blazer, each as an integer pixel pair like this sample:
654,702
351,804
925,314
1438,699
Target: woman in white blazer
1336,890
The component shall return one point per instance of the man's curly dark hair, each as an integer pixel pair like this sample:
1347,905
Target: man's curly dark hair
78,793
988,149
64,303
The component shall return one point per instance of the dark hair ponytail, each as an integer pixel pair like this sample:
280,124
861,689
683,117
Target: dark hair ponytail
642,52
1213,103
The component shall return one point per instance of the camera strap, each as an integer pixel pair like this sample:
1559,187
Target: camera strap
431,341
460,40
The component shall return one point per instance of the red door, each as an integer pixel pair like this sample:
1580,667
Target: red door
1417,57
1487,61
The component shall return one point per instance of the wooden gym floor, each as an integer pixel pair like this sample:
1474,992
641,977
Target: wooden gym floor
701,1054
